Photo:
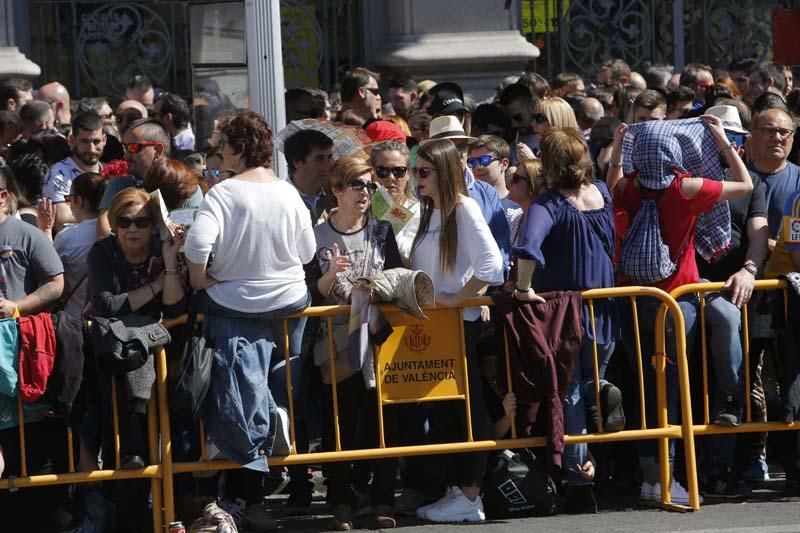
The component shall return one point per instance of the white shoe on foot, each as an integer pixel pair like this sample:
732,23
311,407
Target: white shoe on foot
456,508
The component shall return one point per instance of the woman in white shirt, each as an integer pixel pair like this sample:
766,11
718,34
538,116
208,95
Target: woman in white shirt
260,233
390,161
455,247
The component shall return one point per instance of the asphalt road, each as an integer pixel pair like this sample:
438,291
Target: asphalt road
767,510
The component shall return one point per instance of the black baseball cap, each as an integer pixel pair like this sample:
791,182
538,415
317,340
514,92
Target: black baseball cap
447,99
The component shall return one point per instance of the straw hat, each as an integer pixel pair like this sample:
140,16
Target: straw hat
448,127
729,116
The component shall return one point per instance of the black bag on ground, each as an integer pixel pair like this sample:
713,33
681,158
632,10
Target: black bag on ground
516,484
193,371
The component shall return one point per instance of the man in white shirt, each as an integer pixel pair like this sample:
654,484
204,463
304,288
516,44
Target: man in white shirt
174,114
87,141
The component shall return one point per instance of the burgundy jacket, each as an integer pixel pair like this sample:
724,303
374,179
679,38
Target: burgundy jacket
544,341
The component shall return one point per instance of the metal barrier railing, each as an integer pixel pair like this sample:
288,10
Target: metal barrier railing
747,425
663,432
154,471
163,469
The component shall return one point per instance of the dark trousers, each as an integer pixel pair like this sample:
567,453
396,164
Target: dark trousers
358,428
448,421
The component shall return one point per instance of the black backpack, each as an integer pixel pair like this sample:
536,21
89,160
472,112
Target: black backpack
517,484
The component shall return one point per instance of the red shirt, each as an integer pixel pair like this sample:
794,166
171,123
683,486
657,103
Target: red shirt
678,216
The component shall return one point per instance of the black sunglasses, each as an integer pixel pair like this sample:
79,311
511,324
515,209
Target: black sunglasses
358,186
539,118
516,178
397,172
139,222
374,90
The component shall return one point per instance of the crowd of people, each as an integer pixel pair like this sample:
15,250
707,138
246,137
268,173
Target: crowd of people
549,188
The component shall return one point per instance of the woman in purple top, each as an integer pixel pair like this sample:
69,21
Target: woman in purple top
568,239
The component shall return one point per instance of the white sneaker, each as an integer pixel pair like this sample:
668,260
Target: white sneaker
678,494
424,509
648,492
456,509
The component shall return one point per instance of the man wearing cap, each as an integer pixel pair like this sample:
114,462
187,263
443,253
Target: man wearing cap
448,99
449,127
737,268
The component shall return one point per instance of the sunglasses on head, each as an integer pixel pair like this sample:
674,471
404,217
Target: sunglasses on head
423,172
358,186
539,118
482,161
397,172
139,222
135,148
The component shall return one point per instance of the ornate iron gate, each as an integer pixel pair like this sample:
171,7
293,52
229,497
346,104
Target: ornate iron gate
578,35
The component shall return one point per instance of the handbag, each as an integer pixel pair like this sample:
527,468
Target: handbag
194,371
517,484
123,344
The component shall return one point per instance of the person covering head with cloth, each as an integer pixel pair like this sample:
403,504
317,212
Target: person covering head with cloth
390,160
673,213
351,245
455,247
259,231
575,209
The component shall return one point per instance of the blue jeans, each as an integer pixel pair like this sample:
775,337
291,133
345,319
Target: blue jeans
725,344
647,307
575,408
239,410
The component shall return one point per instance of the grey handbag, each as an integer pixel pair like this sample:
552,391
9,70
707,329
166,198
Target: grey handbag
123,344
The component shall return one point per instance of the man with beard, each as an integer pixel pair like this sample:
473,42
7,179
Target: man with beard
87,141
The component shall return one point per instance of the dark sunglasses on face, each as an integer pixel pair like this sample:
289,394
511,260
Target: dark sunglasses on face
517,178
139,222
397,172
373,90
539,118
482,161
358,186
423,172
135,148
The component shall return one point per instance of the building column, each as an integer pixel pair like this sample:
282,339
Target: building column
265,67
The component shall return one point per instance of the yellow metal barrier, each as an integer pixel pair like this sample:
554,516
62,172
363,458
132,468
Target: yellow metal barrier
747,426
154,471
663,432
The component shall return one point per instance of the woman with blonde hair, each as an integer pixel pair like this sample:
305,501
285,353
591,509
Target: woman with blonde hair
455,247
553,112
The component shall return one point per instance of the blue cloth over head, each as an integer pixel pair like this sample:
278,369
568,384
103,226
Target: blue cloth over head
657,149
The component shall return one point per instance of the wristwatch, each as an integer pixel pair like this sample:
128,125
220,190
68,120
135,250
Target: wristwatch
751,267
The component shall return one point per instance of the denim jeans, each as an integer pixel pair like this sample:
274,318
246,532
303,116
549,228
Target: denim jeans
575,408
647,308
725,344
239,410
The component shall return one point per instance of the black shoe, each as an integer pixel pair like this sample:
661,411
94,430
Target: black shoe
730,414
300,497
611,402
132,462
580,500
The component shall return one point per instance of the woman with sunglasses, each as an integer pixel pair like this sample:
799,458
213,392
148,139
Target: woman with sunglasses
131,271
456,248
351,245
553,112
524,186
390,159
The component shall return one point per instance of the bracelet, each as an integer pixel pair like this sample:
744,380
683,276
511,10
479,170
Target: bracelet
615,165
730,146
517,289
170,270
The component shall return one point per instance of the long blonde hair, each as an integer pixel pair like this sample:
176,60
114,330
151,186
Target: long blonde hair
446,159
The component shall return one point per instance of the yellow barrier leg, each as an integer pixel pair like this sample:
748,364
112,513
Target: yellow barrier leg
659,360
166,438
156,483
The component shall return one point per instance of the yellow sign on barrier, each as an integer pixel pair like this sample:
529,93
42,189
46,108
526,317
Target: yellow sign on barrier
422,359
